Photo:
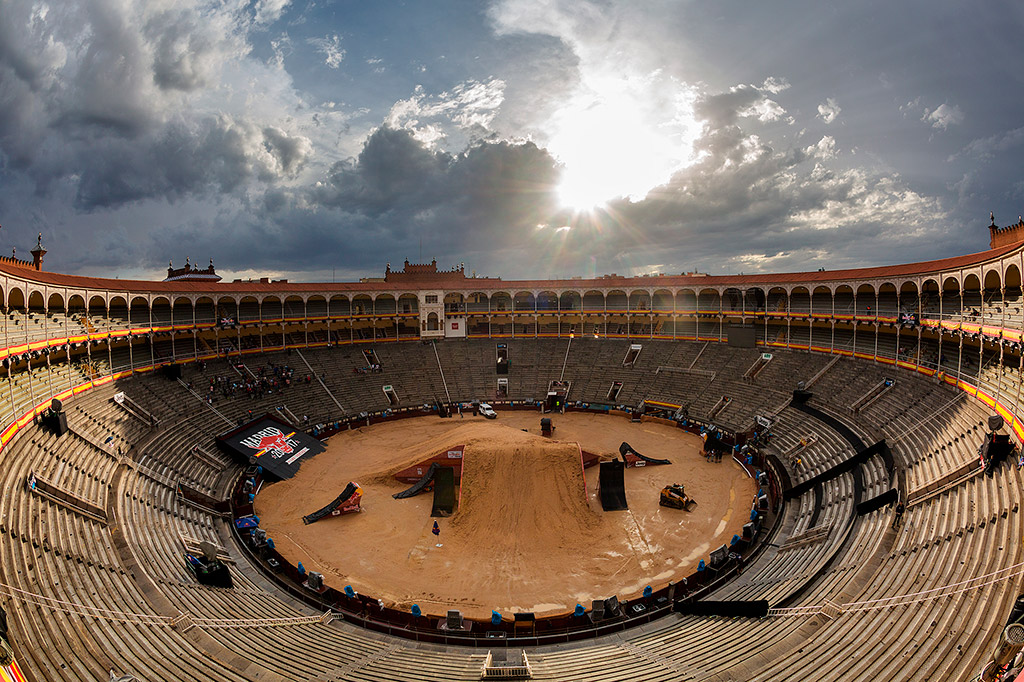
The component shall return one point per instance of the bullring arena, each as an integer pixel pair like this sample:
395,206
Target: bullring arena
863,523
529,533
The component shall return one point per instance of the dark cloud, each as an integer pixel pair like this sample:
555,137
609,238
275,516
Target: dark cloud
215,155
490,192
141,127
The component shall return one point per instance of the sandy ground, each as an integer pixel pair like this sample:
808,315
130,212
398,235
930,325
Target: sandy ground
526,536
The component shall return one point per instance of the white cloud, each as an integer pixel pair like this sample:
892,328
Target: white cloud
828,111
282,47
470,106
943,116
330,48
825,148
775,85
269,11
857,198
620,123
764,110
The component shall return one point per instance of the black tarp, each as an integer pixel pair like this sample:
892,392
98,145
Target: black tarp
444,492
269,442
878,501
611,485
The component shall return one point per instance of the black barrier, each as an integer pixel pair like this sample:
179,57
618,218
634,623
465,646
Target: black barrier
730,609
56,422
861,457
612,485
444,492
864,453
995,448
888,497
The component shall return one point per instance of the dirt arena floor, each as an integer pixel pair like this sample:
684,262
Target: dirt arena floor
526,537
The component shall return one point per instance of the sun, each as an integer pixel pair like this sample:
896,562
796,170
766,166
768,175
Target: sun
614,140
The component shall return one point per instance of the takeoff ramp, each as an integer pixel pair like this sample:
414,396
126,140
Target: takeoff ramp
420,485
611,486
345,503
444,492
632,458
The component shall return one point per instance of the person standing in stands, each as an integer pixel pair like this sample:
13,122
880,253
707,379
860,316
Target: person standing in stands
899,516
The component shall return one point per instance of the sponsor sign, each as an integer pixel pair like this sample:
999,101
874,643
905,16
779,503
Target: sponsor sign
271,443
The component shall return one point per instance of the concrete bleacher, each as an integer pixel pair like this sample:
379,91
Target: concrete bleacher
136,567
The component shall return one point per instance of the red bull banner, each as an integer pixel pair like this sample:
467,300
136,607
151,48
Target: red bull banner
271,443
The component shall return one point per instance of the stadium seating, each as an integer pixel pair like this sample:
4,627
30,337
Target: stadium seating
826,554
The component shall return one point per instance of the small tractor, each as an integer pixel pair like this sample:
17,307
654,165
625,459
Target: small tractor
674,496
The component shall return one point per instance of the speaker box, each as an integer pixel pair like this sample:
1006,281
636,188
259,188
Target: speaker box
612,608
453,620
749,531
56,423
719,557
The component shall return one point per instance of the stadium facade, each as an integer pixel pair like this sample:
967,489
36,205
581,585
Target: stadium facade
917,354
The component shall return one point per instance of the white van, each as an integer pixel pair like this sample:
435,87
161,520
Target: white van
488,411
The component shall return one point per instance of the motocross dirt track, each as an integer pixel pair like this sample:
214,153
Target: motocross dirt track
529,533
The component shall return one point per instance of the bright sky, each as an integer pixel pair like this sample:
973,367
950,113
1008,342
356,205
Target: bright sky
525,138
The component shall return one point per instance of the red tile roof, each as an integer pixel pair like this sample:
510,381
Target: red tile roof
447,281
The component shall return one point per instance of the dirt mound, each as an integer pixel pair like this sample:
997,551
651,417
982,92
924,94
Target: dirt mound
414,453
522,493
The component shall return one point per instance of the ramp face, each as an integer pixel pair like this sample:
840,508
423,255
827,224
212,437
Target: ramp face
641,460
339,501
611,486
444,492
420,485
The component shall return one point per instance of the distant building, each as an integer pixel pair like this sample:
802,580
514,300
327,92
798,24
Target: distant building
191,273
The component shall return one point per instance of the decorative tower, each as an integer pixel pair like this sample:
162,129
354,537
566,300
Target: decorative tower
38,253
1002,236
